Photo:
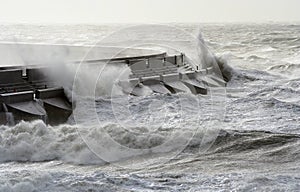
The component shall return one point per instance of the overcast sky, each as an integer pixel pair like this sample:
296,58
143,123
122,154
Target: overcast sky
148,11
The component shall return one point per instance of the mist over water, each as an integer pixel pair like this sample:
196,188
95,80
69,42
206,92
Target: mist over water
253,145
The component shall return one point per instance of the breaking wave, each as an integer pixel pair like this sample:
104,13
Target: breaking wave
36,142
274,147
287,67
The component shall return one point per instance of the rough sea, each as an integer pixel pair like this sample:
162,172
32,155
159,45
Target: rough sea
242,137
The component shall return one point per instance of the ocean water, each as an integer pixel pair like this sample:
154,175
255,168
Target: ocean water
242,137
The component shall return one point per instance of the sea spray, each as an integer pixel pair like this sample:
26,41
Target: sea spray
35,141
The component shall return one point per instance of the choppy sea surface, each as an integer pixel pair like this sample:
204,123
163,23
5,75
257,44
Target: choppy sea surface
181,142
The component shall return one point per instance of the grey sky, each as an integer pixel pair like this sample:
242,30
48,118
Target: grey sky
148,11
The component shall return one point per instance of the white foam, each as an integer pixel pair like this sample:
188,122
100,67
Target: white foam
34,141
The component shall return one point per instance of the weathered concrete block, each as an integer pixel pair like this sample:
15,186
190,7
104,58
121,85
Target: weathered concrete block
49,93
141,65
36,74
189,75
170,78
155,63
16,97
157,78
11,76
171,59
179,60
135,81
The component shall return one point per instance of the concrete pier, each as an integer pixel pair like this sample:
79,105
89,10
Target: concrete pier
28,93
